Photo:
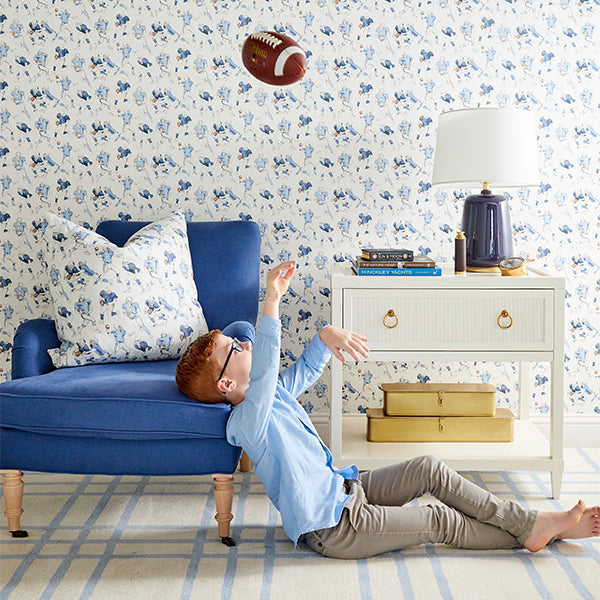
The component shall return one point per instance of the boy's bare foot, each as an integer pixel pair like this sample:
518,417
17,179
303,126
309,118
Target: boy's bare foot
588,526
551,524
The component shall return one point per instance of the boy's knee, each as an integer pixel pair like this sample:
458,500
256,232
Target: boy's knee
429,466
428,461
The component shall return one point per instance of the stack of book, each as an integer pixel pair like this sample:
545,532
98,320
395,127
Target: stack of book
439,412
392,261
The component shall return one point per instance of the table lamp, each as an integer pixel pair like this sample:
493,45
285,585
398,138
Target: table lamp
486,147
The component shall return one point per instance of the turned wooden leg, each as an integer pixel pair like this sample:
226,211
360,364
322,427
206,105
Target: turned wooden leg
13,498
245,463
224,500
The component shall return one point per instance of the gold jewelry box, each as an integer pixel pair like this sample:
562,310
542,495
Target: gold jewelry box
382,428
449,399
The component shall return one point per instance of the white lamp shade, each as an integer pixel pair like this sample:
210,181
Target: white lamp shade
495,145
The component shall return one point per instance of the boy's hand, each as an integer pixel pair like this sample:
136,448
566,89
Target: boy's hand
338,340
278,282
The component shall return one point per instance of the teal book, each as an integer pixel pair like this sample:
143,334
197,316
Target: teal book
418,272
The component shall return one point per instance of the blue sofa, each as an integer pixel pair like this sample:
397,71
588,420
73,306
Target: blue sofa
130,418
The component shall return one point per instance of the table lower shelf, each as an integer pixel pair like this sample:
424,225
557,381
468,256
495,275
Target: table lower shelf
530,451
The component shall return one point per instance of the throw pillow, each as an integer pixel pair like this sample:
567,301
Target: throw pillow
113,304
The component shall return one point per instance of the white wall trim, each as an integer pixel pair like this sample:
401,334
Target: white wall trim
580,431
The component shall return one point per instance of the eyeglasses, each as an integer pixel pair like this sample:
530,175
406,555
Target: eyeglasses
236,346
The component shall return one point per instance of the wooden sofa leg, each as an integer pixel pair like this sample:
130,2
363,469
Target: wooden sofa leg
13,498
245,463
223,491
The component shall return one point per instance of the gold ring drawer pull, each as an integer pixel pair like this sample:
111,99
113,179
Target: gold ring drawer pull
505,315
390,314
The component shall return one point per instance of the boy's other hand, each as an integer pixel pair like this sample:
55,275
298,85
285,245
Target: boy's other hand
339,340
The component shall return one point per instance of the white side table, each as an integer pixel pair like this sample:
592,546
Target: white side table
477,317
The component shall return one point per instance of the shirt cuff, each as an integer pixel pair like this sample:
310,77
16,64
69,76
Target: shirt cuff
317,353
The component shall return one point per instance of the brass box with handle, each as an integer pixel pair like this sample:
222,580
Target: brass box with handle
382,428
445,399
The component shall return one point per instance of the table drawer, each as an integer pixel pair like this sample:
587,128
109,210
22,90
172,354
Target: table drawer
451,319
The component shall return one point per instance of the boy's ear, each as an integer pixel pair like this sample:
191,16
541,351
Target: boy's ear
226,385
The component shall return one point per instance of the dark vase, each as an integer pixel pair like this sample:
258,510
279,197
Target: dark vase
486,223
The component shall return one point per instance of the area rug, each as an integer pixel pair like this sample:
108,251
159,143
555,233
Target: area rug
105,538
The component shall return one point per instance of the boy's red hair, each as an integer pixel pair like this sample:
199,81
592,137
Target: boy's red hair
197,371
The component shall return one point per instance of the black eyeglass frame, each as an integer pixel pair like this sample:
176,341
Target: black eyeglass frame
236,346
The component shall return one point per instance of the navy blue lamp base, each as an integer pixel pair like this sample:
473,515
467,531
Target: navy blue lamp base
486,223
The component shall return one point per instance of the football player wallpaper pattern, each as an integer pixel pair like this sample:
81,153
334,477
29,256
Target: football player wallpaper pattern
132,109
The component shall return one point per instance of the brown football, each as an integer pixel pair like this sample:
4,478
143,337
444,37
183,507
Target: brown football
273,58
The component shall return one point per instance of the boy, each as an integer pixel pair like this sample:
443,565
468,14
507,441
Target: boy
339,512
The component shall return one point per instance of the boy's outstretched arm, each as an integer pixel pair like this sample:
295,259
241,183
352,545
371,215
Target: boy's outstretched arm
248,423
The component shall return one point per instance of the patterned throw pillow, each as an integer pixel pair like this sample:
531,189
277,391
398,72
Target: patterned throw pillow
117,304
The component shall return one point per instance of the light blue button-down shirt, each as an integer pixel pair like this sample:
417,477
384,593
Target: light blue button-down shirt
290,459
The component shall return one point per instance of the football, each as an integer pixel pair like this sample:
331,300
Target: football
273,58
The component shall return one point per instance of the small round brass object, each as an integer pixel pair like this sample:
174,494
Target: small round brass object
390,314
515,266
505,315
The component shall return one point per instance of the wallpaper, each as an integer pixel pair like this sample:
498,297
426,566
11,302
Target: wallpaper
133,109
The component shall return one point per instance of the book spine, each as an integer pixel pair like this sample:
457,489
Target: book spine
387,254
384,264
416,265
421,271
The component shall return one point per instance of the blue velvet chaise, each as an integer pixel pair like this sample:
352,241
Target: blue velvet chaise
129,418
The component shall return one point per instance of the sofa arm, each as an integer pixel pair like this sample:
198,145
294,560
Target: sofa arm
242,330
32,340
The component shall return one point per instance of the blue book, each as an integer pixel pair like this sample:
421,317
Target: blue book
419,271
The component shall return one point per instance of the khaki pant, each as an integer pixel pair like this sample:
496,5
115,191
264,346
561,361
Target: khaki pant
376,519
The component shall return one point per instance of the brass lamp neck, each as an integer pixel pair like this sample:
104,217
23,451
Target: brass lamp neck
486,186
